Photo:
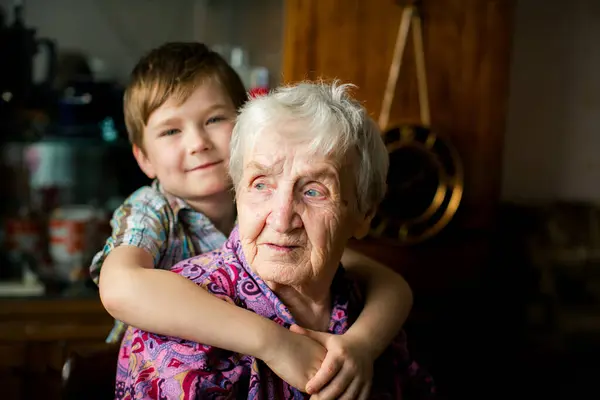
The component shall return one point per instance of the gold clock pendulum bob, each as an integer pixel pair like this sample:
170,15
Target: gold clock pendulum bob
425,180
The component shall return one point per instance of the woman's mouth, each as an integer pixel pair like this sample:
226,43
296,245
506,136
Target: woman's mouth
281,248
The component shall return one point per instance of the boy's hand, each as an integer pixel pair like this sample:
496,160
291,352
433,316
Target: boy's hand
294,358
347,370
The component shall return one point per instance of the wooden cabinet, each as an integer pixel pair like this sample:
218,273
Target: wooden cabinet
36,337
467,49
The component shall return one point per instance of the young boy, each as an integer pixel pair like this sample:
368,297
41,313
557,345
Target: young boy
180,108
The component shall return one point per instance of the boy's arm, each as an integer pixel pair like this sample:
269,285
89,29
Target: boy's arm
159,301
134,291
297,357
387,304
166,303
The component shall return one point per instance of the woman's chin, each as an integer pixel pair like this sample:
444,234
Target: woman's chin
278,274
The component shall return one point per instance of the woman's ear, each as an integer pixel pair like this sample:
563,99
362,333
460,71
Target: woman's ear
143,162
363,225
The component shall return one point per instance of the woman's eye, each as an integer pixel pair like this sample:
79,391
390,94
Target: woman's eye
313,193
170,132
260,186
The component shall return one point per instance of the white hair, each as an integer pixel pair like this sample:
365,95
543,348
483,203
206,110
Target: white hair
336,125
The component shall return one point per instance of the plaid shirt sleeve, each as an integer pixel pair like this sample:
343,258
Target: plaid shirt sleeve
141,221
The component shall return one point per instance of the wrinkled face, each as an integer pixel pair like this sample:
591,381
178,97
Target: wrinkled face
186,146
296,211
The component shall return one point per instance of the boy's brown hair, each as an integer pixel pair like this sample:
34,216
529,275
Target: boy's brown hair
174,70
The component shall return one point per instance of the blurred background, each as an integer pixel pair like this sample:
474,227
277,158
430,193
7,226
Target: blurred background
492,214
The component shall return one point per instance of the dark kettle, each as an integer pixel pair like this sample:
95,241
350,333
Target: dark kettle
18,48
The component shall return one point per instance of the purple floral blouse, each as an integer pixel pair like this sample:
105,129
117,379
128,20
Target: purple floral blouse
158,367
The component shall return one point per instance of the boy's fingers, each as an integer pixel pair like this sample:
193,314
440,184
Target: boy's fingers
336,387
319,337
353,391
365,392
329,368
297,329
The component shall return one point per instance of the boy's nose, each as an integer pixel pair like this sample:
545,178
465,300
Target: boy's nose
198,141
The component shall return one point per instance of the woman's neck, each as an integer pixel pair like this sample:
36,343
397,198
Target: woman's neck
311,308
219,208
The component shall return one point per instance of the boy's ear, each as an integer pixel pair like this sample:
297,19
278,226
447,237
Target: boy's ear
143,162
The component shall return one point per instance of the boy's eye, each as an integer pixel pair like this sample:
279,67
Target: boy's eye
170,132
216,119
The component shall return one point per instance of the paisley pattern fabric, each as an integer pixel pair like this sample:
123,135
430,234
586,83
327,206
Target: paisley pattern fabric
159,367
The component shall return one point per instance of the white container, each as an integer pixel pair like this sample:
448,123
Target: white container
72,239
51,165
239,62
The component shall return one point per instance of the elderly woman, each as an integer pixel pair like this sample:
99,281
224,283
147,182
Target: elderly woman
309,169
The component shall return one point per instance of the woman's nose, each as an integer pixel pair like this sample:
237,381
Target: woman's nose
284,216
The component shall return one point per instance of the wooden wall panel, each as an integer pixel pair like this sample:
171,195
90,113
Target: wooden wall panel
467,46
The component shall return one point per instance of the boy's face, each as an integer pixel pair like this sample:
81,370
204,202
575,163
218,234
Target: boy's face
186,146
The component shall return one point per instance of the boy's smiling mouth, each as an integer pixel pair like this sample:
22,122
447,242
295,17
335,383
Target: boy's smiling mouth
204,166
